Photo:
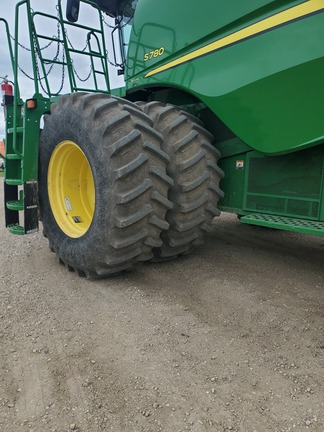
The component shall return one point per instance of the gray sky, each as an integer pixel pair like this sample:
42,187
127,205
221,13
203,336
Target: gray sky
88,16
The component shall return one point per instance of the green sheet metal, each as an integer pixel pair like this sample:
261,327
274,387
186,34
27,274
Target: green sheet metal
264,79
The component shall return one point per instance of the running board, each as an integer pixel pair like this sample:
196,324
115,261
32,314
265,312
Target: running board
285,223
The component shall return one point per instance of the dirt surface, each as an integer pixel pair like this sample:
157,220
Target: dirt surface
227,339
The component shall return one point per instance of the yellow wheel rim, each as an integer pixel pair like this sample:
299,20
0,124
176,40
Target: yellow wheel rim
71,189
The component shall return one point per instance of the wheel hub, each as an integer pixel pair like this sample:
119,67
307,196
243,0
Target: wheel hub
71,189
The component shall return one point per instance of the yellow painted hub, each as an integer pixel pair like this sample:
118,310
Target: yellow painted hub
71,189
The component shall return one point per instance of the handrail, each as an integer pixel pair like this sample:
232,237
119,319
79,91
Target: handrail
9,43
54,39
16,86
38,65
92,31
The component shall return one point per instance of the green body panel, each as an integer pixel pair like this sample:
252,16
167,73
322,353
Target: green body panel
268,89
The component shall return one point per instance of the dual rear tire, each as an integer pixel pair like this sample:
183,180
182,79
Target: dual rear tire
119,183
196,176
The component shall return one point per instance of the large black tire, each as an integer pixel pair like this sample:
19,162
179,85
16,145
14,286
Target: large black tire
130,182
196,175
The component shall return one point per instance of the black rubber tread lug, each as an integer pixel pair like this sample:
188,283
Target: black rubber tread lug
189,225
131,166
189,163
104,272
213,210
189,186
218,171
150,131
103,107
135,110
119,262
145,257
91,98
157,151
114,121
134,218
140,104
217,190
154,243
167,253
162,175
203,132
209,147
124,142
160,223
178,122
75,97
162,200
194,205
196,120
183,240
185,141
122,243
129,196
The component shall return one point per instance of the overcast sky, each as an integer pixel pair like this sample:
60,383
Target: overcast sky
88,16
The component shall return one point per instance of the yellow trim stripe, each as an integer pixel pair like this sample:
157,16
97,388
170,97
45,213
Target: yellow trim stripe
296,12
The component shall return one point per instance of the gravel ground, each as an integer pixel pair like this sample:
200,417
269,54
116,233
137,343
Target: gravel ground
229,338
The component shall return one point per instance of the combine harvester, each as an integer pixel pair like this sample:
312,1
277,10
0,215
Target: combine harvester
222,109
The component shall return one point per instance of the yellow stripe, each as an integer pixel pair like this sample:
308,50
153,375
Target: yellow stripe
284,17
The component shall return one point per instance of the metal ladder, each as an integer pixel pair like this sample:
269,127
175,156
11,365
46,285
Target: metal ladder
20,185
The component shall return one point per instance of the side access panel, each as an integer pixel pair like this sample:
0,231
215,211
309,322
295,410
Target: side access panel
288,185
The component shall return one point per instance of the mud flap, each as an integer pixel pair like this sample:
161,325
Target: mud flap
31,206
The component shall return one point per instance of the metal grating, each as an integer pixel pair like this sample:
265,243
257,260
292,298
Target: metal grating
285,223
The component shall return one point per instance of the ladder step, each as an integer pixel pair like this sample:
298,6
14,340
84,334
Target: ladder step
17,205
49,38
90,54
16,229
19,129
50,61
14,182
99,72
13,156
